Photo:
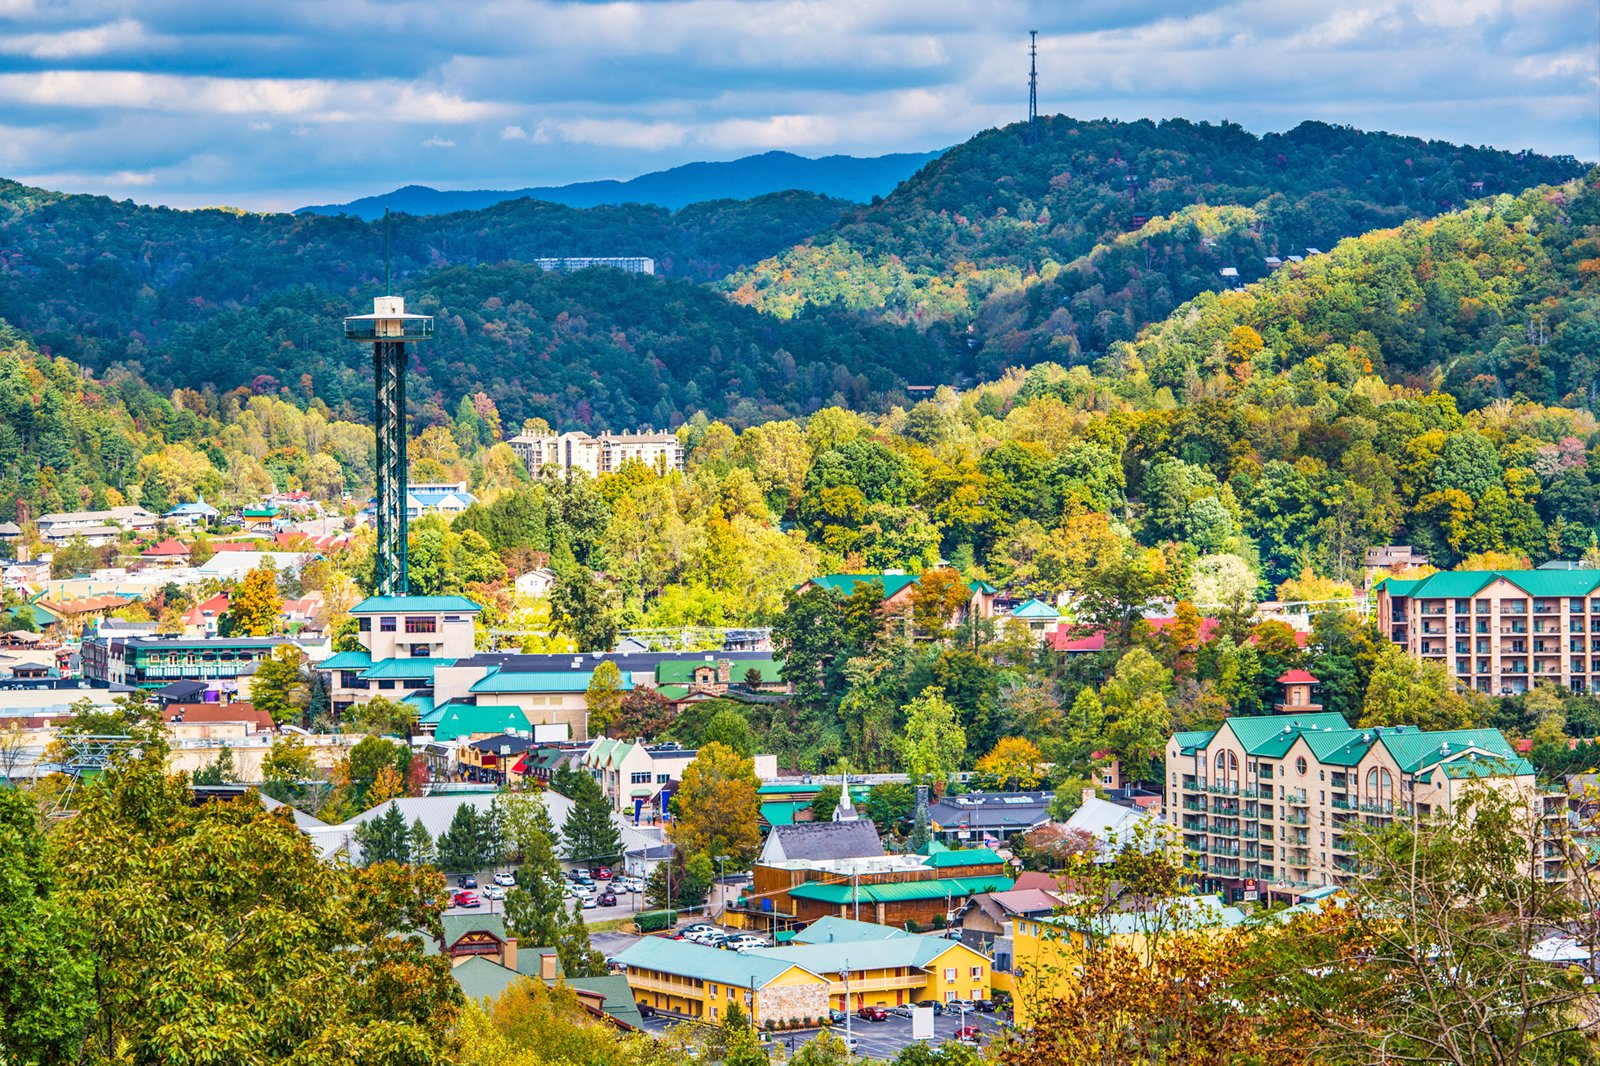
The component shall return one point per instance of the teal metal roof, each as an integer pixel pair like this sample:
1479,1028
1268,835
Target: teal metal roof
347,660
422,702
1473,766
465,719
884,953
1192,741
901,891
835,930
415,605
618,995
1034,609
845,584
1462,584
681,671
1273,734
403,669
1415,750
498,680
456,926
950,858
683,959
782,812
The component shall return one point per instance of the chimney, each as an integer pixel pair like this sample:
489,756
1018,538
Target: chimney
547,967
724,671
1088,794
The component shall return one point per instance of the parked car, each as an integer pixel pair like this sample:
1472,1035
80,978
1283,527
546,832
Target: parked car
708,937
984,1005
494,892
466,881
969,1034
900,1012
608,898
646,1010
938,1008
601,873
958,1005
745,940
629,884
698,927
835,1016
465,899
872,1014
506,880
589,903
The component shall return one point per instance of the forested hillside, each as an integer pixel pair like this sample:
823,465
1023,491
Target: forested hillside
1058,250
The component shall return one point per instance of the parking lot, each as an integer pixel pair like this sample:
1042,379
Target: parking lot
628,903
875,1040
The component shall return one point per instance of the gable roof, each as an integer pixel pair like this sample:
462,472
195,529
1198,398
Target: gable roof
468,719
835,930
955,858
840,893
1033,608
1462,584
501,680
1272,734
845,584
823,841
456,926
883,953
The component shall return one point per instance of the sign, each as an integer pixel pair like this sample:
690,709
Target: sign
922,1023
1249,883
1251,895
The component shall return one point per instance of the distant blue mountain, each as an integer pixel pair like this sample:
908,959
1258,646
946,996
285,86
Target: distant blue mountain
844,176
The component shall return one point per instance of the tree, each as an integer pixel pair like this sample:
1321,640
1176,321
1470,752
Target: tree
46,971
1406,691
717,808
825,802
463,847
603,697
581,608
73,558
940,595
217,772
730,728
381,716
256,604
646,714
288,762
591,831
537,909
385,838
934,745
1069,797
273,955
279,684
889,805
1014,763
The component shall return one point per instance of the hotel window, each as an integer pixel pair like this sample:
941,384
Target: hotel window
977,973
950,973
663,779
386,624
364,625
424,624
641,778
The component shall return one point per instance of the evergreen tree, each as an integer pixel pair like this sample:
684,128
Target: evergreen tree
421,844
591,830
219,771
460,848
537,910
384,838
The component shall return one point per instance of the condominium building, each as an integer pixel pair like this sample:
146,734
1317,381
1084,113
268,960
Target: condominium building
1268,806
560,455
1500,631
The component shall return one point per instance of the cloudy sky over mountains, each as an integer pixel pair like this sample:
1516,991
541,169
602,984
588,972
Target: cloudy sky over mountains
284,102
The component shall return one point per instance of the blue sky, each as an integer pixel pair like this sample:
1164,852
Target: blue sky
272,104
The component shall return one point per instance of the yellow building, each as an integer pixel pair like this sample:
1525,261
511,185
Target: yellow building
1047,953
691,981
887,967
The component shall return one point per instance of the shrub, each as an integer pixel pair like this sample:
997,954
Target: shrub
655,921
912,926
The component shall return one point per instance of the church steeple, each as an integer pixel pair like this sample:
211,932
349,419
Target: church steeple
844,810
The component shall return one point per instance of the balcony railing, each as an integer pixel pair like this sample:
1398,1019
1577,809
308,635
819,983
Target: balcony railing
1297,819
1224,829
1340,803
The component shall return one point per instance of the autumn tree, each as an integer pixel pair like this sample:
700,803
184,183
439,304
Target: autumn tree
255,606
716,809
603,698
645,713
940,595
280,685
1014,763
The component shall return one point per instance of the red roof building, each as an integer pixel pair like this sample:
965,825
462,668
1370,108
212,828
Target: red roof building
1297,693
168,550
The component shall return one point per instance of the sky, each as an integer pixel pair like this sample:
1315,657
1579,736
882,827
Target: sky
273,104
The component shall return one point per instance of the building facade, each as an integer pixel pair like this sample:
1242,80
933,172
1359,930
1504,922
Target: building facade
1269,806
156,661
561,455
1500,631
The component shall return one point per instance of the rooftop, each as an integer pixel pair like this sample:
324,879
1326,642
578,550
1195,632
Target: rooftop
415,605
684,959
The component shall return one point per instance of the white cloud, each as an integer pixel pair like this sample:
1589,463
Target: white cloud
438,142
71,44
623,133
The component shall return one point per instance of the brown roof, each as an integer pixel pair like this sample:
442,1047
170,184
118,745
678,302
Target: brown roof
238,711
88,603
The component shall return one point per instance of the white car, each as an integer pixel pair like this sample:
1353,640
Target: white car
746,941
589,902
506,880
629,884
494,892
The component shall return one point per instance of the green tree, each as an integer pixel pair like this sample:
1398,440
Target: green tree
73,558
730,728
219,771
889,805
825,802
279,686
1406,691
603,697
591,831
538,910
934,746
381,716
46,970
461,847
287,764
581,608
385,838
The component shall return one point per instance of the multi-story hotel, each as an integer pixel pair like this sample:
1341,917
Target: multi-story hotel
1268,806
560,455
1500,631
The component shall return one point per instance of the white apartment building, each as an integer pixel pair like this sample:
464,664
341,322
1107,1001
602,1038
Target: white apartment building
560,455
95,527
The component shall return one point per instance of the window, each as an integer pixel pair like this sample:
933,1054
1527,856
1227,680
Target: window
950,975
386,684
364,625
421,651
1300,765
386,624
977,973
641,778
663,779
424,624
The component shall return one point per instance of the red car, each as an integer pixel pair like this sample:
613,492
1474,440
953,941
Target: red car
970,1034
465,899
872,1014
601,873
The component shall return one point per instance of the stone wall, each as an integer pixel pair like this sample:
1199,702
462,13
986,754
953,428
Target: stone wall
792,1002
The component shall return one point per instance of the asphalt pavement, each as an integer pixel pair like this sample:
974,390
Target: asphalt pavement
874,1040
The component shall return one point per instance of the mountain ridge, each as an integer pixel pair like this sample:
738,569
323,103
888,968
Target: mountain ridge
856,178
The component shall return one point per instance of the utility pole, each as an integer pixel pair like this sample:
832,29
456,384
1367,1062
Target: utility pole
849,1030
1033,86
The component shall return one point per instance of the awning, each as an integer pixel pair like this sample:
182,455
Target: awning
642,793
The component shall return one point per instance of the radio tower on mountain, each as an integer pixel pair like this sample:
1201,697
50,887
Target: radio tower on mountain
1033,86
388,329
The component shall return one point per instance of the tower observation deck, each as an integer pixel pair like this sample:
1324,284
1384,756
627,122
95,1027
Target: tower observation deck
389,329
